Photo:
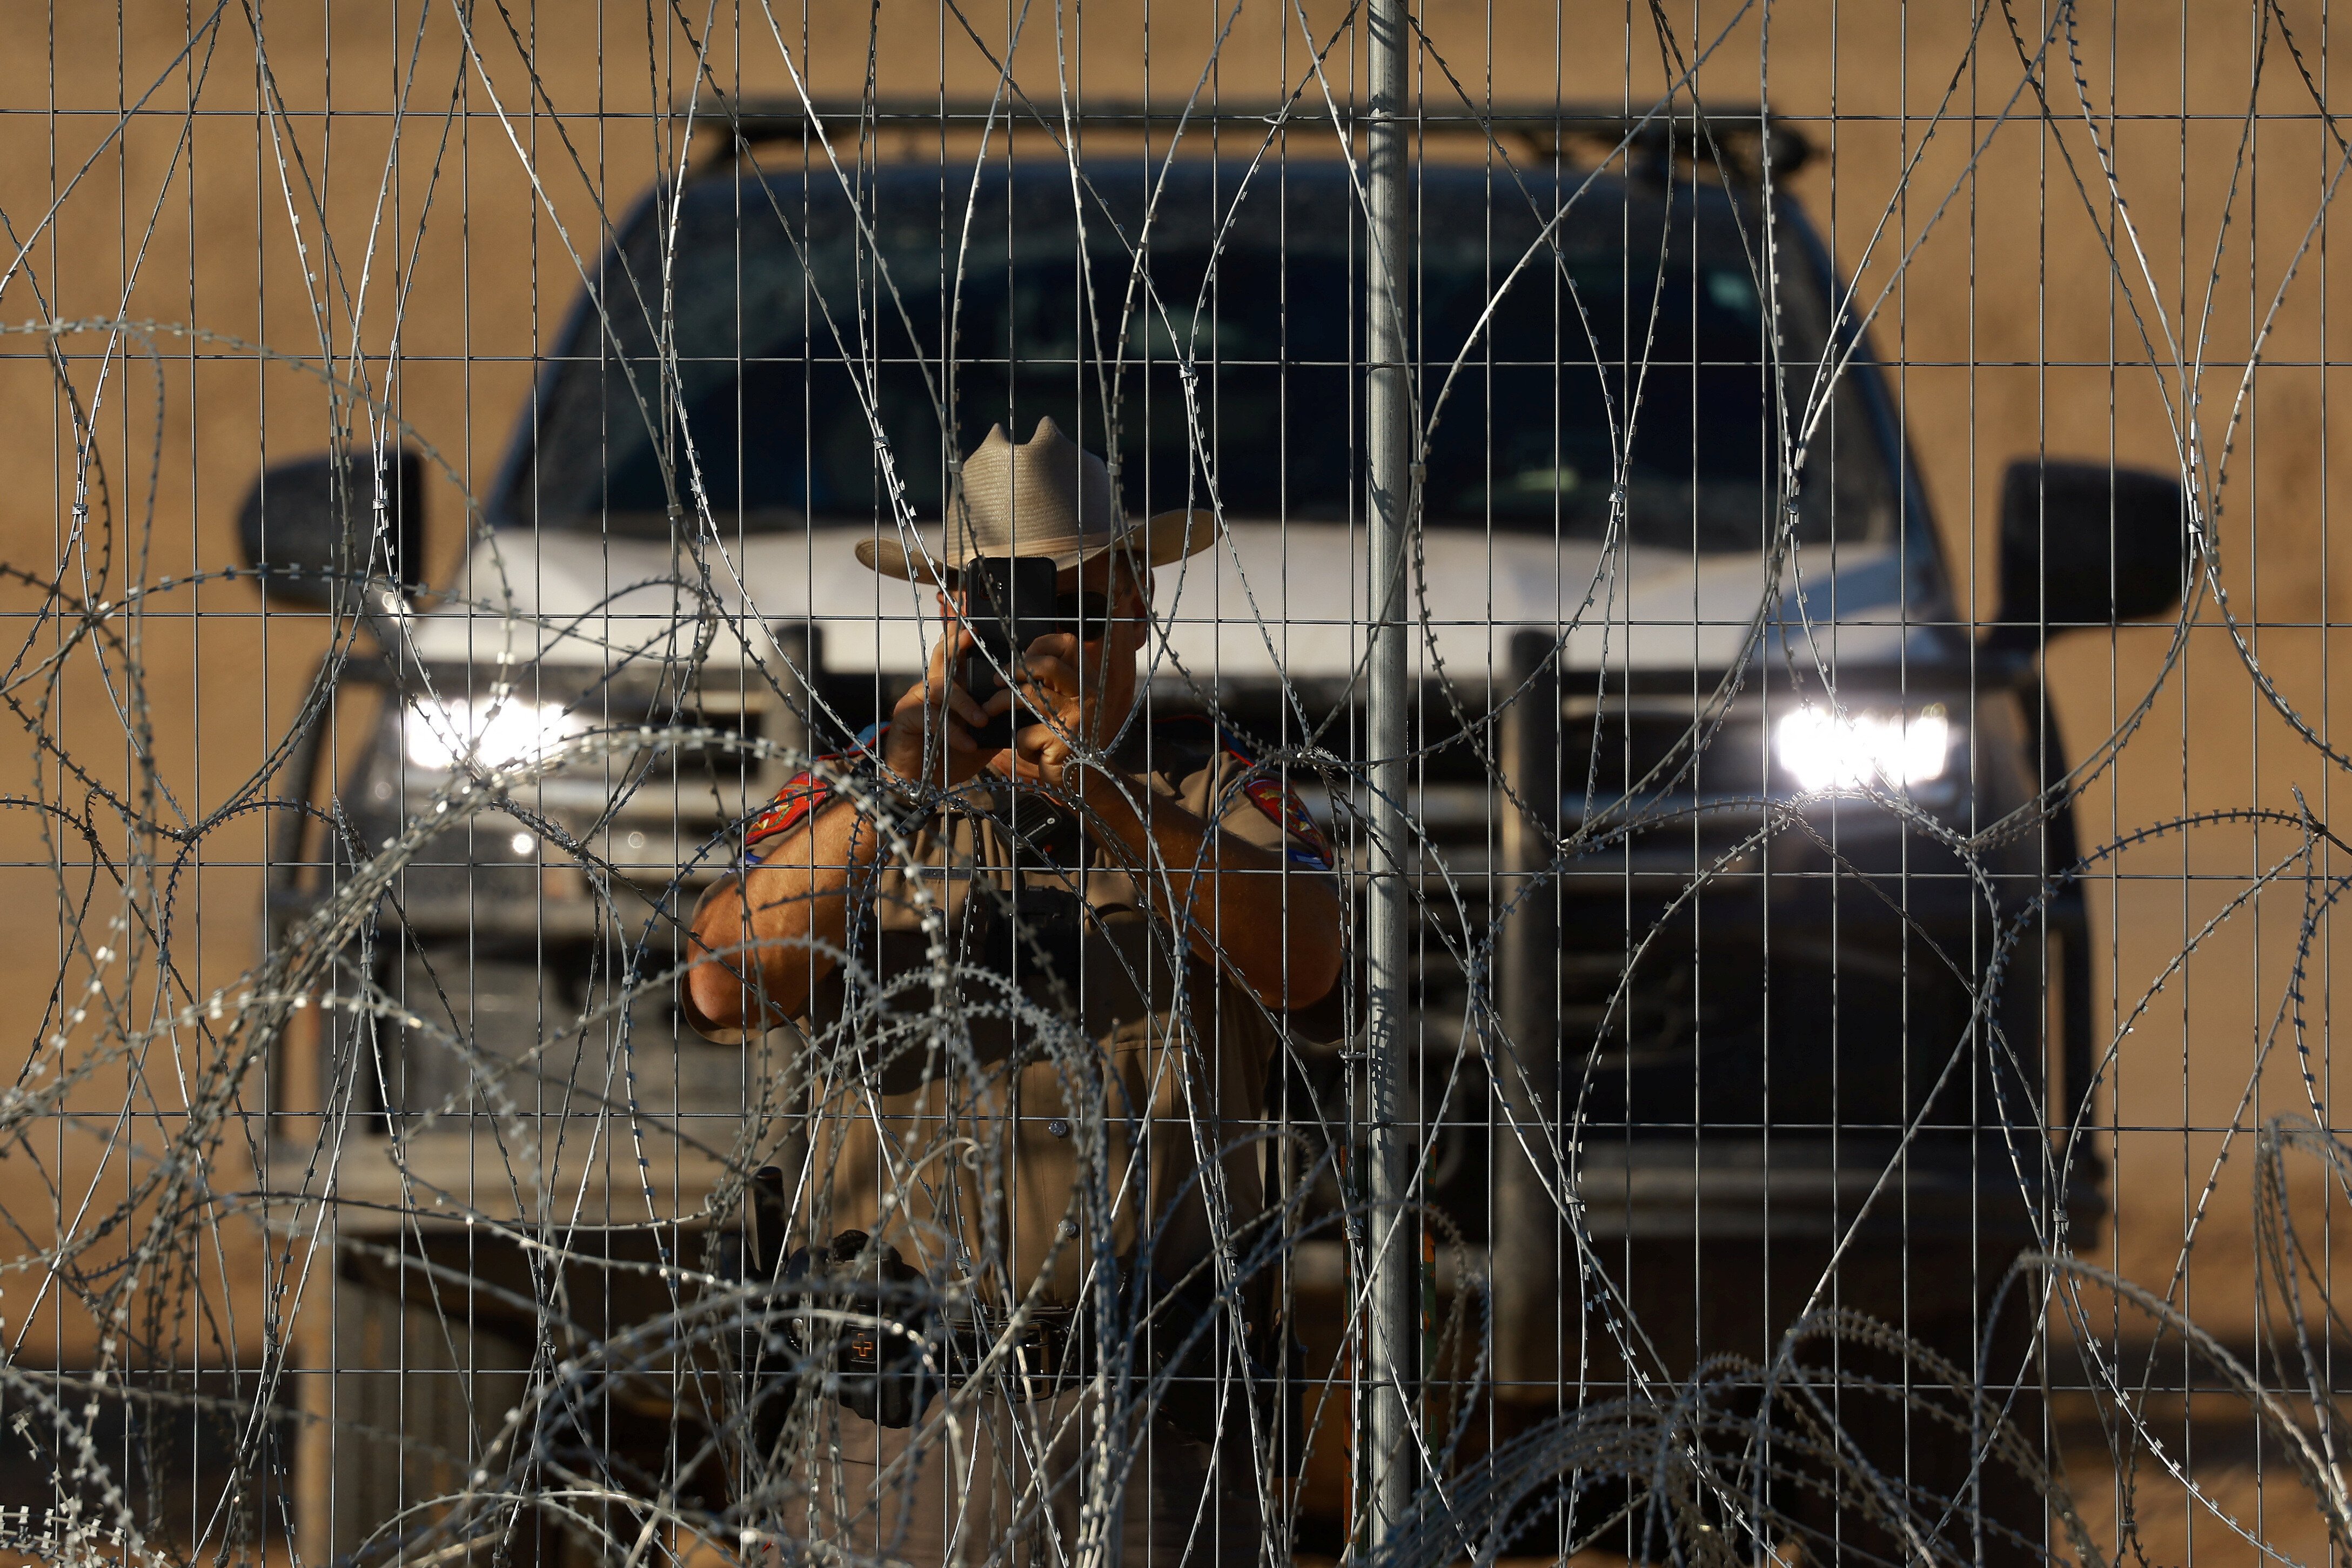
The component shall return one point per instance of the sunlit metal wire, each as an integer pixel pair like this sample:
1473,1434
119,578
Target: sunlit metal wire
1746,1125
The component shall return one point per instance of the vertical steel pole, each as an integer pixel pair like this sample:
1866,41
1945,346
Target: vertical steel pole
1525,1267
1391,1330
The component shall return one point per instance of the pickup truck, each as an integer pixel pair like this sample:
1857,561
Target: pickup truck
1736,836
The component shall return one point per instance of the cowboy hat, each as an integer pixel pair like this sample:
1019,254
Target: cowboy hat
1045,497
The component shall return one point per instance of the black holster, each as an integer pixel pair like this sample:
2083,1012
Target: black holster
852,1319
1199,1396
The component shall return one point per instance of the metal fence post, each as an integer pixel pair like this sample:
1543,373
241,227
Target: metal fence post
1526,1249
1390,1336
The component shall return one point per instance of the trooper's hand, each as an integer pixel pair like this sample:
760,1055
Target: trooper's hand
1079,692
929,740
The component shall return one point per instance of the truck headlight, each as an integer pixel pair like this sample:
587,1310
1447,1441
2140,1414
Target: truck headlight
437,734
1829,751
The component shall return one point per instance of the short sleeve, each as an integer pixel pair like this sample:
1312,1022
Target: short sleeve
1248,799
1225,782
793,804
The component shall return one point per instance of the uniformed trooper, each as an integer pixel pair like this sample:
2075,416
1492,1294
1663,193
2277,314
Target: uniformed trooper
1038,1035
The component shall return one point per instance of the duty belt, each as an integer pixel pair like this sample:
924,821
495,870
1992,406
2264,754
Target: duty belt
854,1321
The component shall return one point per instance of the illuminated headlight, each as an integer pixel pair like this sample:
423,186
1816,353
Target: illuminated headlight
496,734
1823,750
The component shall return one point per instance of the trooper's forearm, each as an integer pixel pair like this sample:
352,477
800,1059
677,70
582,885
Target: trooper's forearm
760,952
1234,900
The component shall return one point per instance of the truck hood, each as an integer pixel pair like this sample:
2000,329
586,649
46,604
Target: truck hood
1269,600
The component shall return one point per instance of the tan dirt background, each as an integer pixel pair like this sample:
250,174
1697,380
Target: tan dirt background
1993,290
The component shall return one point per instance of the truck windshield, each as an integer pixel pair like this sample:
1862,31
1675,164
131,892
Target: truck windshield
810,375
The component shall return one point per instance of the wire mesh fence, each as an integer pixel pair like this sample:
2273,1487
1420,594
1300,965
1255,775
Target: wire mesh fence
1276,782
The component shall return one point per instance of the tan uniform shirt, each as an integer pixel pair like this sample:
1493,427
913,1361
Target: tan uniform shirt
1022,1072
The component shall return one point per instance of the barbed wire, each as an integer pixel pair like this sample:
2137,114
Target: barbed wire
627,1372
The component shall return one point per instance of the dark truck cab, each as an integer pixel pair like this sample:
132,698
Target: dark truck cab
1727,814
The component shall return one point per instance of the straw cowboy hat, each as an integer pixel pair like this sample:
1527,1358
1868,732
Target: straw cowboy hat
1046,497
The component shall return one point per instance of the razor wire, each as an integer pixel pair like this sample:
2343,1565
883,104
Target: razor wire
1697,1464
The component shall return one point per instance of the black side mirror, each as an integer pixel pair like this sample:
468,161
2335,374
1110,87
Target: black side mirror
302,527
2083,544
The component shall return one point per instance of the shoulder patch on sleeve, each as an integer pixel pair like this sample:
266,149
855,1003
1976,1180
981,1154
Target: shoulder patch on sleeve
802,795
1308,846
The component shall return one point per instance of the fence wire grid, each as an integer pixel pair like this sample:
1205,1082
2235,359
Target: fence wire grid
1668,898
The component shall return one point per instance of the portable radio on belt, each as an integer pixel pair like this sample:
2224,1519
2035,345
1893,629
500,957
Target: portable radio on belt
1010,601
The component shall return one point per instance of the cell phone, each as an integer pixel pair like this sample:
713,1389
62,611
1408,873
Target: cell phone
1010,601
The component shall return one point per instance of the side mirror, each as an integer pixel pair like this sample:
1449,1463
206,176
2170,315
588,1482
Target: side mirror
303,527
2083,544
